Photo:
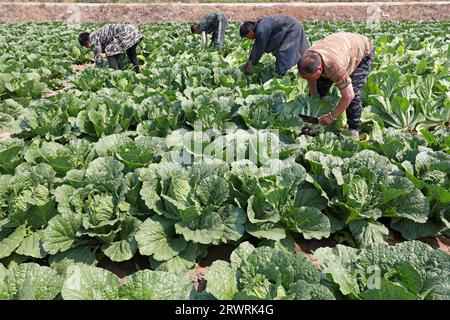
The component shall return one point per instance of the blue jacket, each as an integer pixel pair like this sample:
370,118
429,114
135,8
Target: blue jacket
274,31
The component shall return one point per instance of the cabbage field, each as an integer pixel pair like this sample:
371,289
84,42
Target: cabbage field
152,172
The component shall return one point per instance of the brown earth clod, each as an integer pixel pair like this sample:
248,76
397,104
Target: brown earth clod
198,277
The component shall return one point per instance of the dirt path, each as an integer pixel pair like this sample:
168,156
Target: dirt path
66,84
5,135
441,243
185,12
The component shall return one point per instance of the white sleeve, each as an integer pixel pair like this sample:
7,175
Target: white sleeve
204,39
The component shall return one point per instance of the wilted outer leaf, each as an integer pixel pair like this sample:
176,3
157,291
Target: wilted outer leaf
62,260
61,231
9,244
85,282
2,272
337,261
156,285
366,232
206,228
221,280
31,246
412,205
354,270
125,248
241,253
263,231
387,291
234,219
412,230
311,198
180,263
309,221
30,281
156,237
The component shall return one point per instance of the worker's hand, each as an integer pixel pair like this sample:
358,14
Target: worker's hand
326,120
247,68
103,55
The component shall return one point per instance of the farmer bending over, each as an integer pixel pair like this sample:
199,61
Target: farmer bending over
215,23
112,40
345,59
281,35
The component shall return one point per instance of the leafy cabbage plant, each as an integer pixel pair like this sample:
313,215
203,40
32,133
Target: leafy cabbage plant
365,187
265,273
93,206
195,199
277,198
410,270
30,281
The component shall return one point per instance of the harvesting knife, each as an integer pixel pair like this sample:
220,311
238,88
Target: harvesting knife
309,119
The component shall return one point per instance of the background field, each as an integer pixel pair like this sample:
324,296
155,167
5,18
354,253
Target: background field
214,1
144,13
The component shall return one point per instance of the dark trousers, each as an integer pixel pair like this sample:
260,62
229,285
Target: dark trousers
113,61
219,35
359,78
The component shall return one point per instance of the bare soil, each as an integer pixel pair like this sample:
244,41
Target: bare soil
441,243
66,84
221,252
187,12
125,268
5,135
198,278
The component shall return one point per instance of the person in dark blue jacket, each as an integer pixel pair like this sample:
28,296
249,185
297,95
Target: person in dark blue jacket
281,35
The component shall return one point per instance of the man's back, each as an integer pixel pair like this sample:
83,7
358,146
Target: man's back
341,53
275,27
106,33
281,35
113,39
210,21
